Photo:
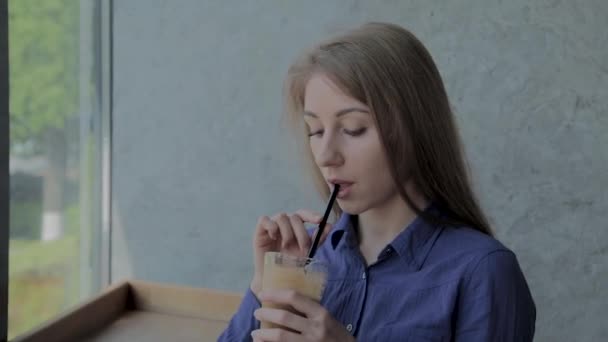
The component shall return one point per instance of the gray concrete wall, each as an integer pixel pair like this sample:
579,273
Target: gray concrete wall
199,152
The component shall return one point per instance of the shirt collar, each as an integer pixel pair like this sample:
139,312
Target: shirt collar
412,244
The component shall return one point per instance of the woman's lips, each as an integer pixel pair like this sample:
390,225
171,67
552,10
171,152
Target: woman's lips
345,188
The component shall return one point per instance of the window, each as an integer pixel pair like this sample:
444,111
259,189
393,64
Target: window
56,121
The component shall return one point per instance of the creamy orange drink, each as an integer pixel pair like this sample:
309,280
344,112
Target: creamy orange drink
305,276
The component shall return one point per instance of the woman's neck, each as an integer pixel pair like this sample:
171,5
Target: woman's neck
379,226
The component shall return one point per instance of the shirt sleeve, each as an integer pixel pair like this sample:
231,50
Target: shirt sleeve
495,303
242,323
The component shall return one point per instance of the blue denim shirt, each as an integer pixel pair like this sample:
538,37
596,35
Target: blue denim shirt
431,283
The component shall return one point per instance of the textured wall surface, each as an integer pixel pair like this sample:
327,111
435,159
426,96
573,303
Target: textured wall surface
199,151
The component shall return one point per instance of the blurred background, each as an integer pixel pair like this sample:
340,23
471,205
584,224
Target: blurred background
146,140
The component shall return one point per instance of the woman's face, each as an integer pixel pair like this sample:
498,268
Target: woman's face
346,147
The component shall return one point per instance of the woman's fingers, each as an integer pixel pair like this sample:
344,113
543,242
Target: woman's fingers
301,303
309,216
278,335
316,324
300,232
287,234
281,317
313,217
290,230
269,226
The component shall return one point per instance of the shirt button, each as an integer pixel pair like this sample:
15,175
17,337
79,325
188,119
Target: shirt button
349,328
363,276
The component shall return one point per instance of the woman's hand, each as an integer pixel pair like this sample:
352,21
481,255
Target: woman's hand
282,233
316,324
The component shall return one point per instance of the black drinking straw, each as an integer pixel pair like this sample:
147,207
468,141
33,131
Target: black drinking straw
315,244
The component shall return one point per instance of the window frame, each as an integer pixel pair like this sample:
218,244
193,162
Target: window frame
106,16
4,166
101,129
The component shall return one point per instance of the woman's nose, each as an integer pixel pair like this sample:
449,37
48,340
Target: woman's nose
328,153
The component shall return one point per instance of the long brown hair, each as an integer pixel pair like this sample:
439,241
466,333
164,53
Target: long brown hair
387,68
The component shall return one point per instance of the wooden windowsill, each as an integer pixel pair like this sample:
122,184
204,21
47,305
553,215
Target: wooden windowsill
143,311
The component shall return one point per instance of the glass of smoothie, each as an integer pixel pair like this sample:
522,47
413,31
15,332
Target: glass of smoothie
304,275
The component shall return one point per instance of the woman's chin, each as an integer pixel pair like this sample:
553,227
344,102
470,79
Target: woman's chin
351,207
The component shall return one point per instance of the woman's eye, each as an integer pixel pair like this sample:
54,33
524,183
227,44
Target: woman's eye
355,133
315,133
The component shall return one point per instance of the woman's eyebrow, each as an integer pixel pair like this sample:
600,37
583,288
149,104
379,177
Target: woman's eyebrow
340,112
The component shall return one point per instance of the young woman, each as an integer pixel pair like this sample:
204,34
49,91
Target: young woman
412,257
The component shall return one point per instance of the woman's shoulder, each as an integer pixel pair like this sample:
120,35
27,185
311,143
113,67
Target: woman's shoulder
466,239
468,247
